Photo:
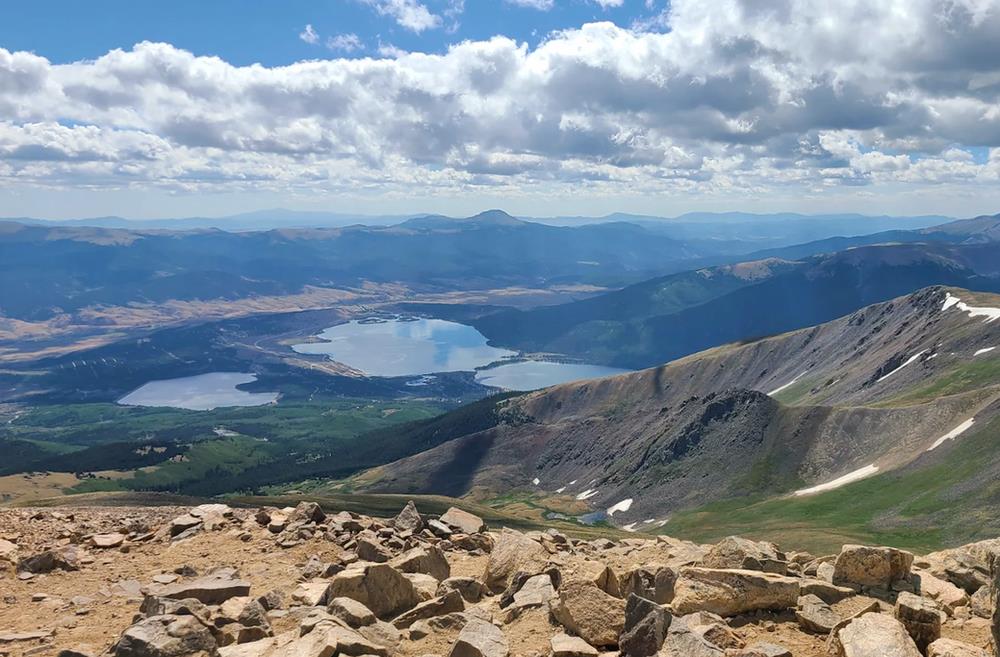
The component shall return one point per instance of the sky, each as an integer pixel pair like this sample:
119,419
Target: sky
540,107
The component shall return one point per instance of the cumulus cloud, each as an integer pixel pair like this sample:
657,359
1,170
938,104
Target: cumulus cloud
410,14
309,35
735,97
345,42
541,5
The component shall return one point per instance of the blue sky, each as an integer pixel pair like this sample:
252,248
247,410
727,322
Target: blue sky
268,32
540,107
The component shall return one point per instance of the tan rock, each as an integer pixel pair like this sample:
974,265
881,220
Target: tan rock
743,554
860,566
166,636
380,587
815,616
730,592
208,590
513,552
463,521
952,648
350,611
950,596
480,639
446,604
107,541
921,617
428,560
564,645
589,612
873,635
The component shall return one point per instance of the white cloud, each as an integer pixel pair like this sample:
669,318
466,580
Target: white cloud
609,3
345,43
410,14
735,98
309,34
541,5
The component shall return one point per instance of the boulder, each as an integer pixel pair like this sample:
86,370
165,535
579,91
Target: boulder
683,641
995,598
732,592
873,635
815,616
183,523
470,588
429,560
590,613
7,550
564,645
600,574
480,639
166,636
921,617
350,611
825,591
744,554
67,558
208,590
646,625
967,567
369,549
513,552
859,567
307,512
947,594
107,541
409,519
534,591
445,604
380,587
463,521
652,581
952,648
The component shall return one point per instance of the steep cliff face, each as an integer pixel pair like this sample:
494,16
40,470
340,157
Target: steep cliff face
863,394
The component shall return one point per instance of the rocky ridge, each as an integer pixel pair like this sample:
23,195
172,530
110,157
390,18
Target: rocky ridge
303,582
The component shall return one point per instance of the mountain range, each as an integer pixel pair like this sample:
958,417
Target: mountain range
901,391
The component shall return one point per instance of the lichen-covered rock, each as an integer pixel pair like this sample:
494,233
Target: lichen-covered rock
860,566
380,587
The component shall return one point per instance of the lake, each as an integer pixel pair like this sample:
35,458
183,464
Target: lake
535,374
403,347
199,393
418,347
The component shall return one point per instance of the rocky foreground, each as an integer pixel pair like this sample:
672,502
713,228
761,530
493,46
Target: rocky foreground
218,581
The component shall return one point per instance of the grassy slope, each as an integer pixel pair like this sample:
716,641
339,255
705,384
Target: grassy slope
921,507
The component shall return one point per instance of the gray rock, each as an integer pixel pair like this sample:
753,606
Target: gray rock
209,590
470,588
921,617
646,626
166,636
463,521
409,519
446,604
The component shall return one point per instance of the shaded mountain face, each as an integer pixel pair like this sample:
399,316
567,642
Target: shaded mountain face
869,392
670,317
49,271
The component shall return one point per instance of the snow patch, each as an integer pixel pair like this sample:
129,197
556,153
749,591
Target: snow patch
990,314
535,481
787,385
984,351
848,478
629,527
908,361
954,433
624,505
559,490
587,494
571,483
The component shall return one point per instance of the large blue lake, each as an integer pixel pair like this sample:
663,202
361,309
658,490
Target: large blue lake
414,347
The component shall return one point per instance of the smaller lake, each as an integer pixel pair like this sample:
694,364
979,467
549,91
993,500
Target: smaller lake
199,393
535,374
405,347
